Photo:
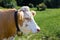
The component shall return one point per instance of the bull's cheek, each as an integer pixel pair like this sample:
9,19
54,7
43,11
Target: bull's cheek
25,30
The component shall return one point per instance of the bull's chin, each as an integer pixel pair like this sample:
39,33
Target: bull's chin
24,34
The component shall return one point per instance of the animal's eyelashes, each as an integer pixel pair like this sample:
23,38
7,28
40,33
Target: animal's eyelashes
27,18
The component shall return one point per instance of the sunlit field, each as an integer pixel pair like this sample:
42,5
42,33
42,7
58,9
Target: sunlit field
49,22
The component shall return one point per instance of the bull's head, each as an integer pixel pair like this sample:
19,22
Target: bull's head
26,21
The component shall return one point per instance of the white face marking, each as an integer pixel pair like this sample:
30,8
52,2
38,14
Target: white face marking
25,8
29,24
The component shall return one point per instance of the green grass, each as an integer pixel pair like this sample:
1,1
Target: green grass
49,22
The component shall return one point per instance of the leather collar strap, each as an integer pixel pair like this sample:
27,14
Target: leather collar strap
16,20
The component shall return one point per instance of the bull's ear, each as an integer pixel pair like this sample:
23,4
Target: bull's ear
33,13
20,17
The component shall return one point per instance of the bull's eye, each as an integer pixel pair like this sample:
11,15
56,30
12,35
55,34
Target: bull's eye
28,18
26,25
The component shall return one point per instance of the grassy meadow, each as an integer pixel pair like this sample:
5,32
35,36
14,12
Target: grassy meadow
49,22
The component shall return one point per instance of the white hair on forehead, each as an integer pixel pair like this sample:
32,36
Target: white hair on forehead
25,8
26,11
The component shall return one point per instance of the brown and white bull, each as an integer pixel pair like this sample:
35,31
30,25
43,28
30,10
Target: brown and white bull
12,21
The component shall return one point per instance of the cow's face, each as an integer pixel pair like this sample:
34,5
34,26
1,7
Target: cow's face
27,23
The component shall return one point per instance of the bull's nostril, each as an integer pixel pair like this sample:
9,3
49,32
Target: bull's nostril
38,30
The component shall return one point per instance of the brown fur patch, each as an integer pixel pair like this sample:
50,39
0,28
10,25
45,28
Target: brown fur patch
7,23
